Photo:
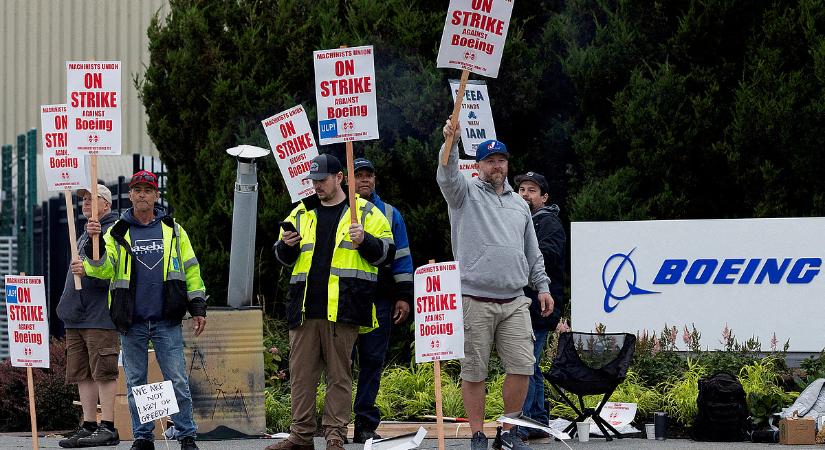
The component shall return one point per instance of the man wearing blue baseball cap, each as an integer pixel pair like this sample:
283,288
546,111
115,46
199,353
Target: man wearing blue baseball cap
492,236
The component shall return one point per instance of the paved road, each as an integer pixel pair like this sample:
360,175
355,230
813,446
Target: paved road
15,441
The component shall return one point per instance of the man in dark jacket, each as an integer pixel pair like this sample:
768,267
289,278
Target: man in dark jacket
533,188
91,340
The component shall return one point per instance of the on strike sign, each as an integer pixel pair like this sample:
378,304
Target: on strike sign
474,35
468,168
93,104
27,321
293,147
439,319
345,94
63,170
476,118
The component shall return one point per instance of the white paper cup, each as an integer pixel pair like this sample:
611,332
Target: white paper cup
650,430
583,430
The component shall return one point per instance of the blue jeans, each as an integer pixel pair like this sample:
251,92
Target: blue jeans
371,349
168,341
534,402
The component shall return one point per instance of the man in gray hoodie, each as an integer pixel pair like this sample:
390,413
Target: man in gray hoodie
493,239
91,340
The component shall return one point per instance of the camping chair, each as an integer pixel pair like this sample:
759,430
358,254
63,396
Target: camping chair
591,364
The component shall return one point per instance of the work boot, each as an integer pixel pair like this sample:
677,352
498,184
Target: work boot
361,436
509,441
188,443
143,444
335,444
286,444
104,435
478,441
71,440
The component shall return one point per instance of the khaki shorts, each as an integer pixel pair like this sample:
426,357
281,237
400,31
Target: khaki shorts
505,324
91,354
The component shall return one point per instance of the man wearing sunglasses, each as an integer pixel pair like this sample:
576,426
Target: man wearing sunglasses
155,280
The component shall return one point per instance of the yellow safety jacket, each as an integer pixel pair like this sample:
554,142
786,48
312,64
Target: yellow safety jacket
182,280
352,279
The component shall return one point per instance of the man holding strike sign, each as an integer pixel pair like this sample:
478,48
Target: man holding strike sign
493,237
331,291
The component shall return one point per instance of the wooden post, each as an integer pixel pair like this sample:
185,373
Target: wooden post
353,213
439,412
72,233
95,241
459,98
32,411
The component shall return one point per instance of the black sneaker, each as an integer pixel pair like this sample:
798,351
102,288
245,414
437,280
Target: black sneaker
509,441
102,436
478,441
71,440
361,436
188,443
143,444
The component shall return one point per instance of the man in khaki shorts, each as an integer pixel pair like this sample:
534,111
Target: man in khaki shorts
493,238
91,341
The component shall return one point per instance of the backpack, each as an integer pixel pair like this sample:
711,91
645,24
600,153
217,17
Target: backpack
722,412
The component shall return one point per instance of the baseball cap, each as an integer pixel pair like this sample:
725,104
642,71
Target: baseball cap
144,177
323,166
102,192
535,178
490,147
362,163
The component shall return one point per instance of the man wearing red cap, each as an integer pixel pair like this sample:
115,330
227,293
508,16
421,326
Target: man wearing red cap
155,280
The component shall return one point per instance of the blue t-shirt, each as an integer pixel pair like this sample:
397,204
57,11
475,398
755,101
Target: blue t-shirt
147,248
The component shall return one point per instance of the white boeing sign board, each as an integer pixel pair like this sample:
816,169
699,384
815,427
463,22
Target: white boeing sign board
474,35
755,276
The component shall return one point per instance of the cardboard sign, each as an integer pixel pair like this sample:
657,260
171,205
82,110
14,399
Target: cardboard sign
28,321
468,168
476,117
407,441
439,319
618,414
93,102
474,35
155,400
293,147
63,170
345,94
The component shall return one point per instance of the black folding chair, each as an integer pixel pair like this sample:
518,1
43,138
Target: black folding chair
591,364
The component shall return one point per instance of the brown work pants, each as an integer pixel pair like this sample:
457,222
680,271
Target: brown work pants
315,346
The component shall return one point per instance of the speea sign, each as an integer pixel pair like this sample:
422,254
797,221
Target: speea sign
756,276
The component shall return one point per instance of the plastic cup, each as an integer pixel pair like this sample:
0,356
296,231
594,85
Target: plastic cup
583,430
650,430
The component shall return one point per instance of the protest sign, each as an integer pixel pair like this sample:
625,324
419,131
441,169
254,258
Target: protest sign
475,119
468,168
345,95
439,321
93,102
28,324
155,400
474,35
63,171
293,147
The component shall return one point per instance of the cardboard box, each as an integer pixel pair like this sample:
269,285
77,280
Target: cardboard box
123,421
797,431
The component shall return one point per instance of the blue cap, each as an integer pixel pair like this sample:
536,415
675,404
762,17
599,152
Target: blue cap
490,147
362,163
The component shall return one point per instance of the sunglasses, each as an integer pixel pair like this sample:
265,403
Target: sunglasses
144,177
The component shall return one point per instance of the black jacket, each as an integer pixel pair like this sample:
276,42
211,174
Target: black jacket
551,237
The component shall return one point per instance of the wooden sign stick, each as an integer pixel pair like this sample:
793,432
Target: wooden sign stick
439,412
353,214
72,233
459,98
32,410
95,241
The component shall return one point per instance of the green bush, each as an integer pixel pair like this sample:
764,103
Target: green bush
679,395
278,410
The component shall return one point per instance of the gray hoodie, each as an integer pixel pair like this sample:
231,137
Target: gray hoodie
492,235
89,307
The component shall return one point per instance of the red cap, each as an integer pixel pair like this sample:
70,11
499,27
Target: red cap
145,177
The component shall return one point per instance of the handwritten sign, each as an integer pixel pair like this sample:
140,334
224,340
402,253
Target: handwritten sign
345,94
439,319
63,170
293,147
155,400
474,35
28,321
476,116
93,107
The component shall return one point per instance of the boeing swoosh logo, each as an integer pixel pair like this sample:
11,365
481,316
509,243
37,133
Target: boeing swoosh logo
621,260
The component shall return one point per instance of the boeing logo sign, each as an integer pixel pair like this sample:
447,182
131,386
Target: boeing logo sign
619,275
